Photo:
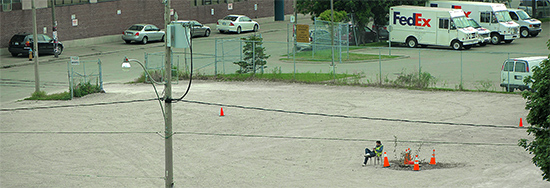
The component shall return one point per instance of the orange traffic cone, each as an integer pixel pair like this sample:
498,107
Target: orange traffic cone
221,112
416,166
386,162
520,122
432,161
407,157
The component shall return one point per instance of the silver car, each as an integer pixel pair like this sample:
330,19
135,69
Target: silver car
197,29
142,33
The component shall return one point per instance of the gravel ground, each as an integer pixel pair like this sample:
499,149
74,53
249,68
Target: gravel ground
272,135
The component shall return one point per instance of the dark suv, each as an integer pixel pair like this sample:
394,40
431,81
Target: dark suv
22,42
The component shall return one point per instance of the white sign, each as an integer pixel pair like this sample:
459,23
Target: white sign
118,12
212,12
75,60
45,30
230,6
73,16
75,22
54,34
292,19
171,12
255,6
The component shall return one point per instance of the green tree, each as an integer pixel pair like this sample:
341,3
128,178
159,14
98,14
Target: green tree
339,16
538,104
361,11
254,55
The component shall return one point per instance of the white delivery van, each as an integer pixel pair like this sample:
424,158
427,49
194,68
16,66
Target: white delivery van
414,25
527,25
514,71
493,16
484,34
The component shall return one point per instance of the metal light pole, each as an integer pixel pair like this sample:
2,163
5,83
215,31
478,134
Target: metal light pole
54,31
169,173
35,49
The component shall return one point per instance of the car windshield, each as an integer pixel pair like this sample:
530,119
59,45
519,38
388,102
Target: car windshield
232,18
473,23
461,22
503,16
523,15
136,28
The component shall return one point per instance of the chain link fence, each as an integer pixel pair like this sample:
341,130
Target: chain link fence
83,72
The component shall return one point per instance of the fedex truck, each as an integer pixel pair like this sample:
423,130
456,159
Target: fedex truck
414,25
493,16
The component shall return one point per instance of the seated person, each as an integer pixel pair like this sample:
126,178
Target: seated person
376,151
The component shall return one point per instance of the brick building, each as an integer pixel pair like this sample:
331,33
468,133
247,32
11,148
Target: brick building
78,19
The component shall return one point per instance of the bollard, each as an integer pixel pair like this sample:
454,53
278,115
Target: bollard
30,54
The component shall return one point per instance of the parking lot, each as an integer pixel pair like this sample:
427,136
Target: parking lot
272,135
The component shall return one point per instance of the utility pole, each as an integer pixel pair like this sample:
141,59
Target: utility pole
54,31
169,173
35,49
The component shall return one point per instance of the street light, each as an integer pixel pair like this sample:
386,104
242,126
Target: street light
167,119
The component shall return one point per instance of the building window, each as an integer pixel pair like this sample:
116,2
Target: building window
7,5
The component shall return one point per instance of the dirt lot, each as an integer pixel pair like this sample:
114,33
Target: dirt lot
272,135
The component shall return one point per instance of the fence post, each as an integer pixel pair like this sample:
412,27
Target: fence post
419,65
72,83
84,70
216,57
461,84
508,86
287,42
100,76
380,65
254,57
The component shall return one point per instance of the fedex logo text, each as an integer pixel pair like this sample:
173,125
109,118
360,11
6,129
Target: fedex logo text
415,20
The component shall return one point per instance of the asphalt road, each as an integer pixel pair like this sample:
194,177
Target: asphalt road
480,64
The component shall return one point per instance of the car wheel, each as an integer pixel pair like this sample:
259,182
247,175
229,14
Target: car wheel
207,33
495,39
14,54
127,41
59,50
411,42
221,31
524,32
239,30
255,28
162,39
457,45
144,40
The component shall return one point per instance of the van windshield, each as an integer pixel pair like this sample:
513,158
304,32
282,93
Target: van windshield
523,15
503,16
461,22
473,23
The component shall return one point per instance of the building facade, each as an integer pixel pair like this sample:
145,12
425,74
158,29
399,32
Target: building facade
78,19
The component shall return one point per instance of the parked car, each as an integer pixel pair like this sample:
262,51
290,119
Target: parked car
197,29
384,33
237,23
142,33
514,70
527,25
484,34
21,43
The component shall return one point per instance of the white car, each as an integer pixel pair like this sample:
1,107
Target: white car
237,23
